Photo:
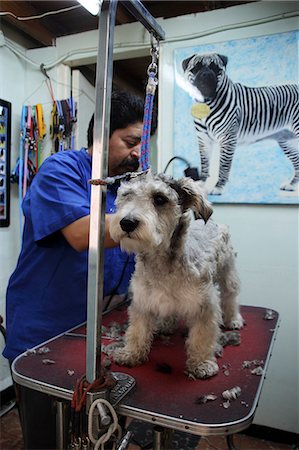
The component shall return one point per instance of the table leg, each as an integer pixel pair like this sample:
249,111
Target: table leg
61,425
162,438
230,442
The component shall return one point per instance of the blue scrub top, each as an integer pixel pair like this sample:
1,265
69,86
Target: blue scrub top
47,293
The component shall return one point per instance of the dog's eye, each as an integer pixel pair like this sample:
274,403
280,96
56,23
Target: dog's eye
125,194
160,199
196,68
215,67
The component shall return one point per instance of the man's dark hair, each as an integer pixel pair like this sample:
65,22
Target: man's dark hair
126,109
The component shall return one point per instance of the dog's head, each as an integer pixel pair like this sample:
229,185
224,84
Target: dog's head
151,208
203,72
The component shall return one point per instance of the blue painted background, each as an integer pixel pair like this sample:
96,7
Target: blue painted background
257,169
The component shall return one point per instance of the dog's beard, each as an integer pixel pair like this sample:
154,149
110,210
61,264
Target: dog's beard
130,245
140,241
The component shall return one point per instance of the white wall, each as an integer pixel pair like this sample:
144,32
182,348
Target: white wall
84,95
266,241
266,237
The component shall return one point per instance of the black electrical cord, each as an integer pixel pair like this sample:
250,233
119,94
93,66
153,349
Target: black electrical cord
172,159
125,301
191,172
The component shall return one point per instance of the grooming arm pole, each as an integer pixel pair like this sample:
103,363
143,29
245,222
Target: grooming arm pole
98,193
104,75
136,8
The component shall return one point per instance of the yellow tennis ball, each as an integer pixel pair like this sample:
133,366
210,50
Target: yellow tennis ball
200,110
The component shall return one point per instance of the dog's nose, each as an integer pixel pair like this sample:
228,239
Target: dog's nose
128,225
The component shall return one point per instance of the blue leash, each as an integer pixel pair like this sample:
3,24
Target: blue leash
147,121
148,109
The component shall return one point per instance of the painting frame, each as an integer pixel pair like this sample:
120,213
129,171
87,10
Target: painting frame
258,169
5,155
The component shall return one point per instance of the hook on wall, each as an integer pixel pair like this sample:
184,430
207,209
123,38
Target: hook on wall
43,70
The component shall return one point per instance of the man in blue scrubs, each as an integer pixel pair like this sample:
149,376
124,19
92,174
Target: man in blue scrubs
47,293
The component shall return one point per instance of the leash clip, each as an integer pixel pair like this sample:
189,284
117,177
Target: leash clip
111,180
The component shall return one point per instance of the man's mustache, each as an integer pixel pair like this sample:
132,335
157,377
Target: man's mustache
132,163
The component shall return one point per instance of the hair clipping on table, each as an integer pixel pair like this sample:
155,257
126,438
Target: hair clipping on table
111,180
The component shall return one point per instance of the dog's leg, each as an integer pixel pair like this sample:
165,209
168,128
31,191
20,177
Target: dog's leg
229,285
205,149
291,150
202,341
138,339
227,150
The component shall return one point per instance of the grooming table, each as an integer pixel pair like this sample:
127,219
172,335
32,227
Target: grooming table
163,394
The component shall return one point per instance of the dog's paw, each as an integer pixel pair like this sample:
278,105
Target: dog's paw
124,357
219,350
236,323
288,187
216,191
205,369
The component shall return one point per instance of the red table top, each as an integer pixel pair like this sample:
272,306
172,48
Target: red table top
167,398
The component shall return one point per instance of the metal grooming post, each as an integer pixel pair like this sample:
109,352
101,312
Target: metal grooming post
140,13
99,171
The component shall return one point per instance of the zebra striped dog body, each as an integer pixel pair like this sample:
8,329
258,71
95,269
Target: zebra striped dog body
240,115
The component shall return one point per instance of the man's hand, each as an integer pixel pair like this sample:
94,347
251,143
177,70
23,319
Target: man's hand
77,234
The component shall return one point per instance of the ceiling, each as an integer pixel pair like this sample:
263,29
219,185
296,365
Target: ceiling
43,31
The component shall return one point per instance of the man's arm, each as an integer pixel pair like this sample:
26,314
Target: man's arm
77,233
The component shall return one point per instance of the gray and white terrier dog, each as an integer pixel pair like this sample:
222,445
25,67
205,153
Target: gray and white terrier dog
185,269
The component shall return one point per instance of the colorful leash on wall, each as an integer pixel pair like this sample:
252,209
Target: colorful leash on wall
32,133
152,83
62,124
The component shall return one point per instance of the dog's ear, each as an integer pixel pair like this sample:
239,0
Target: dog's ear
186,61
192,197
224,59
